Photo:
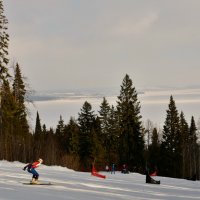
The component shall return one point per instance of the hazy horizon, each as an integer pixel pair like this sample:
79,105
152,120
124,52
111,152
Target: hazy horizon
154,104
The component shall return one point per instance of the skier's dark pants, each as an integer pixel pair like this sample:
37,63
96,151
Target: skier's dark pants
34,172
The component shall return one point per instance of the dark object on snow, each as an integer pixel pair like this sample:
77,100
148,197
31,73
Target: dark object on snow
125,171
193,178
151,180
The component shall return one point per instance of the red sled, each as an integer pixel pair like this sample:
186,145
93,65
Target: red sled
95,173
98,175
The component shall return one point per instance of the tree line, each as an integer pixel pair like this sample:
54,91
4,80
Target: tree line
115,135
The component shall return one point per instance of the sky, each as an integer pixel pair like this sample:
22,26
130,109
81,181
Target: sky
65,44
70,185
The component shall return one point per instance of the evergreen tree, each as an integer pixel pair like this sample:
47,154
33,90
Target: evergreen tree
155,138
60,130
154,150
131,137
38,139
7,125
4,39
86,123
198,129
104,116
193,132
60,137
171,143
198,155
72,141
14,118
105,127
193,148
51,148
21,134
38,127
98,151
109,132
113,136
19,92
44,129
184,131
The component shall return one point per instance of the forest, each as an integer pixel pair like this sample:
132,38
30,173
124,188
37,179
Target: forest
115,135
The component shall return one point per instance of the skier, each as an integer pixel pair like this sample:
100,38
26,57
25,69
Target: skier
31,169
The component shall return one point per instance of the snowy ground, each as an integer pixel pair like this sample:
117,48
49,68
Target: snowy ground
71,185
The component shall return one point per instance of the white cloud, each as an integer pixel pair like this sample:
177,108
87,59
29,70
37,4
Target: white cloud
131,26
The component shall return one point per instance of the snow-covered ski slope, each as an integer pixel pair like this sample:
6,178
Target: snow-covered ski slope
71,185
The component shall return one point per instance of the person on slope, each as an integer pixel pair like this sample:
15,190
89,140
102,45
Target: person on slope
31,169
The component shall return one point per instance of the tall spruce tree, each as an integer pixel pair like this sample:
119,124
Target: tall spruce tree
61,134
184,131
193,148
19,92
193,132
131,137
60,127
38,127
13,114
7,126
171,143
21,126
104,116
19,89
4,39
104,122
38,139
86,121
14,117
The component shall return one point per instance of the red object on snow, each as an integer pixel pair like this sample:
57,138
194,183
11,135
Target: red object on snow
153,174
95,173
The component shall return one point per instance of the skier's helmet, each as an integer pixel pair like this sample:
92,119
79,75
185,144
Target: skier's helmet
40,160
